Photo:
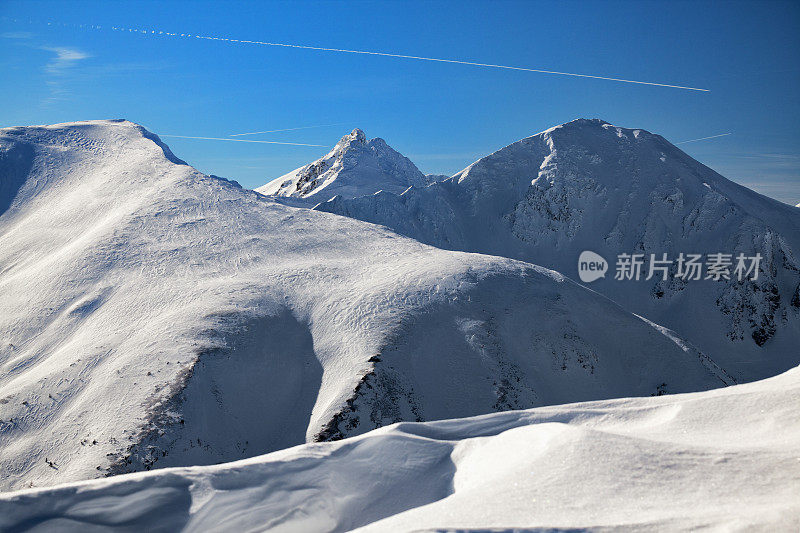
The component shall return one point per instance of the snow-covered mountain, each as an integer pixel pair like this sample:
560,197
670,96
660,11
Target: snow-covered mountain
154,316
723,460
588,185
354,167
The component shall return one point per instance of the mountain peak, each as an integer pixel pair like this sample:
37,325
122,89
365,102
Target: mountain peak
356,166
577,124
586,122
357,137
591,185
592,127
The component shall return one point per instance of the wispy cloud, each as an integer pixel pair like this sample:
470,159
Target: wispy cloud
444,156
704,138
286,129
150,32
64,59
771,173
237,140
16,35
60,65
104,70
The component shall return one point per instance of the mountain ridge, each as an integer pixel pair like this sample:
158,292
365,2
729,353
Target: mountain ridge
589,185
154,316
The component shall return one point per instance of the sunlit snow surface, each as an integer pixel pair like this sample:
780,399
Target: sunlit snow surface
720,460
152,316
354,167
589,185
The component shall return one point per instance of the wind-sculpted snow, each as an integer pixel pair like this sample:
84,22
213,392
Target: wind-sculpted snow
354,167
154,316
588,185
718,460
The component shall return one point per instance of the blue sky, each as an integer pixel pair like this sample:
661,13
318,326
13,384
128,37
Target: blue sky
443,116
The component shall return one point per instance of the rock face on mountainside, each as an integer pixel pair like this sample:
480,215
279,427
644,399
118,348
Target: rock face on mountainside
354,167
588,185
154,316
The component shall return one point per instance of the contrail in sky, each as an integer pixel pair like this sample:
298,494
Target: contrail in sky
237,140
285,129
383,54
704,138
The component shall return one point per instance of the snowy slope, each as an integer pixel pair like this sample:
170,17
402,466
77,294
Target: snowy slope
154,316
354,167
588,185
722,460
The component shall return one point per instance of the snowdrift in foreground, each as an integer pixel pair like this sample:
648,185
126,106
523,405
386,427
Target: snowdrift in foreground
719,460
153,316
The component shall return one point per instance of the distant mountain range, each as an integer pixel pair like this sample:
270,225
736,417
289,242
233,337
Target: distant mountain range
588,185
154,316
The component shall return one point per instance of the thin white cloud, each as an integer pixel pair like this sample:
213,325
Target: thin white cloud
237,140
57,69
456,61
445,156
64,59
16,35
162,33
285,129
704,138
